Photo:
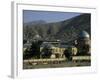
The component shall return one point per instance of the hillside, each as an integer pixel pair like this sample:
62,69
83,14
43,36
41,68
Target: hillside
66,30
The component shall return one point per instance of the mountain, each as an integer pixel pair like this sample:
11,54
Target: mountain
38,22
66,30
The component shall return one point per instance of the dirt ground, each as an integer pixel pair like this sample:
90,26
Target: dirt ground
56,65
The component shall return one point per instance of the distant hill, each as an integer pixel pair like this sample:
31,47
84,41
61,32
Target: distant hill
66,30
35,23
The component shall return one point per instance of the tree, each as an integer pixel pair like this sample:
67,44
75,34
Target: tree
46,52
35,49
68,53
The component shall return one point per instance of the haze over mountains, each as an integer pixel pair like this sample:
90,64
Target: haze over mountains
35,22
66,30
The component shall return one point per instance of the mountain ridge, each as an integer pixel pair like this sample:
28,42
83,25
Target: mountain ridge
66,30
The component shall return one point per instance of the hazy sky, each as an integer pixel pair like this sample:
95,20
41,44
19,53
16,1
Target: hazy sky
48,16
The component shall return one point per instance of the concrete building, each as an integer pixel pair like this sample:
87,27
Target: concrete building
83,43
58,48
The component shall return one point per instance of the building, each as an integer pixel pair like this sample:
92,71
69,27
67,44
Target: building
58,48
50,49
83,43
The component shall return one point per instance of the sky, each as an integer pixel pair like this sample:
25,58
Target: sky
48,16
